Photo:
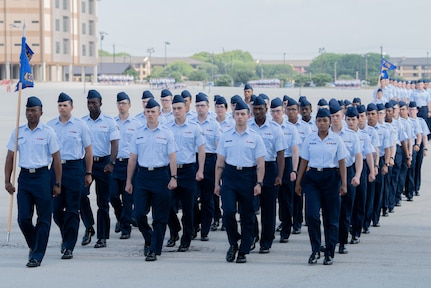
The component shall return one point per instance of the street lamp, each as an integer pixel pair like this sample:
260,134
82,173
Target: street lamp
321,51
9,64
166,45
261,68
335,71
428,53
102,36
150,51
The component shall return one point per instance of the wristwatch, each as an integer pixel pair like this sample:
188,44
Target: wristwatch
113,162
88,173
58,184
175,177
259,183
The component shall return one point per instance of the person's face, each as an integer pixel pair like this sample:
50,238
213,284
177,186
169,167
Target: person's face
396,111
93,105
292,112
179,110
248,93
232,107
404,112
188,101
362,120
323,123
337,118
352,123
277,114
381,116
33,114
241,117
152,114
420,86
65,108
413,112
389,114
220,110
306,111
202,108
166,102
259,112
123,106
379,95
372,117
145,102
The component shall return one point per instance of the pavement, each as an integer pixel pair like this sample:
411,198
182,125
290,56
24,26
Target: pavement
397,254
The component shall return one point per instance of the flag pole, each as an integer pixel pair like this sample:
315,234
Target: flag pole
9,223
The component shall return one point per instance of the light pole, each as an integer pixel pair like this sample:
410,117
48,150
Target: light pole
102,36
166,45
321,51
428,53
150,51
335,71
261,68
9,64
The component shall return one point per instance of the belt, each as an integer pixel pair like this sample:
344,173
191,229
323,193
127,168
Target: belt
99,159
122,159
180,166
69,161
323,169
34,170
152,168
211,154
240,168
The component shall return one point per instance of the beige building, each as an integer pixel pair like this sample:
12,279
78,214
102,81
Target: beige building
62,33
412,68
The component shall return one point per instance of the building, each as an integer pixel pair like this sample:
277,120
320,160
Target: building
62,34
412,68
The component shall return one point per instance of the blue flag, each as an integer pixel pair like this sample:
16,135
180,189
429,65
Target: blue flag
25,74
385,67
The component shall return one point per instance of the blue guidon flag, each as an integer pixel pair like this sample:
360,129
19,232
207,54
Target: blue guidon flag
25,74
385,67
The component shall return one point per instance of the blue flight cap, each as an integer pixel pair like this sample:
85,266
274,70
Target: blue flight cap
371,107
304,102
252,97
402,103
122,96
334,106
221,100
389,104
361,109
347,102
285,98
420,81
412,104
276,102
94,94
357,100
352,112
259,101
152,103
264,96
33,101
201,97
300,98
379,90
165,93
64,97
235,99
248,87
393,103
341,102
291,102
216,97
380,107
240,105
147,94
186,94
178,99
323,112
322,102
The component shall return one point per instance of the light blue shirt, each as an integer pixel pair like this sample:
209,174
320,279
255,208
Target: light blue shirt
424,126
35,147
408,128
241,149
166,117
417,129
352,143
366,146
188,137
323,153
291,137
375,140
212,132
103,130
272,136
384,138
303,130
227,123
74,136
141,117
127,128
153,147
401,134
421,97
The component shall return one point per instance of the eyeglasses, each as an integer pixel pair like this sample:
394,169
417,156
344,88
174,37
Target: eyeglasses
276,111
122,103
200,105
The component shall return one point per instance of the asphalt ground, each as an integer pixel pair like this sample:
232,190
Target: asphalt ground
397,254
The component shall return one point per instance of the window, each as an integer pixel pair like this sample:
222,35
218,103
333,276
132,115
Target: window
65,24
65,46
57,4
90,6
84,50
84,28
57,25
83,6
91,49
91,28
65,2
57,47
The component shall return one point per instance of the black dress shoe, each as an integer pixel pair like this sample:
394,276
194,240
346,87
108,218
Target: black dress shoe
205,238
29,254
253,245
241,258
417,193
322,248
314,257
328,260
284,240
117,227
376,224
296,231
87,236
223,228
101,243
68,254
125,236
366,231
195,232
171,242
231,253
151,256
391,210
279,227
398,204
146,249
62,248
355,240
134,223
32,263
263,250
410,199
214,226
342,249
385,214
183,248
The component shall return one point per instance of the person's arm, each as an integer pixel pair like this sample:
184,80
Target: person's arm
220,164
343,175
56,161
88,165
114,152
302,167
173,168
356,180
201,163
280,166
8,172
131,166
260,171
370,162
295,162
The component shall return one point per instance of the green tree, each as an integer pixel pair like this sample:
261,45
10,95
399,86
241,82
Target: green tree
181,67
132,72
224,80
198,75
321,79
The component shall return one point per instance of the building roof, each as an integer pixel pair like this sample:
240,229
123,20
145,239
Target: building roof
404,61
104,68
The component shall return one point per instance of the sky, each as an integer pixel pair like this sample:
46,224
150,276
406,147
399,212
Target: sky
268,29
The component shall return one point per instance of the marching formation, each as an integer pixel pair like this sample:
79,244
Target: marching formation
346,163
